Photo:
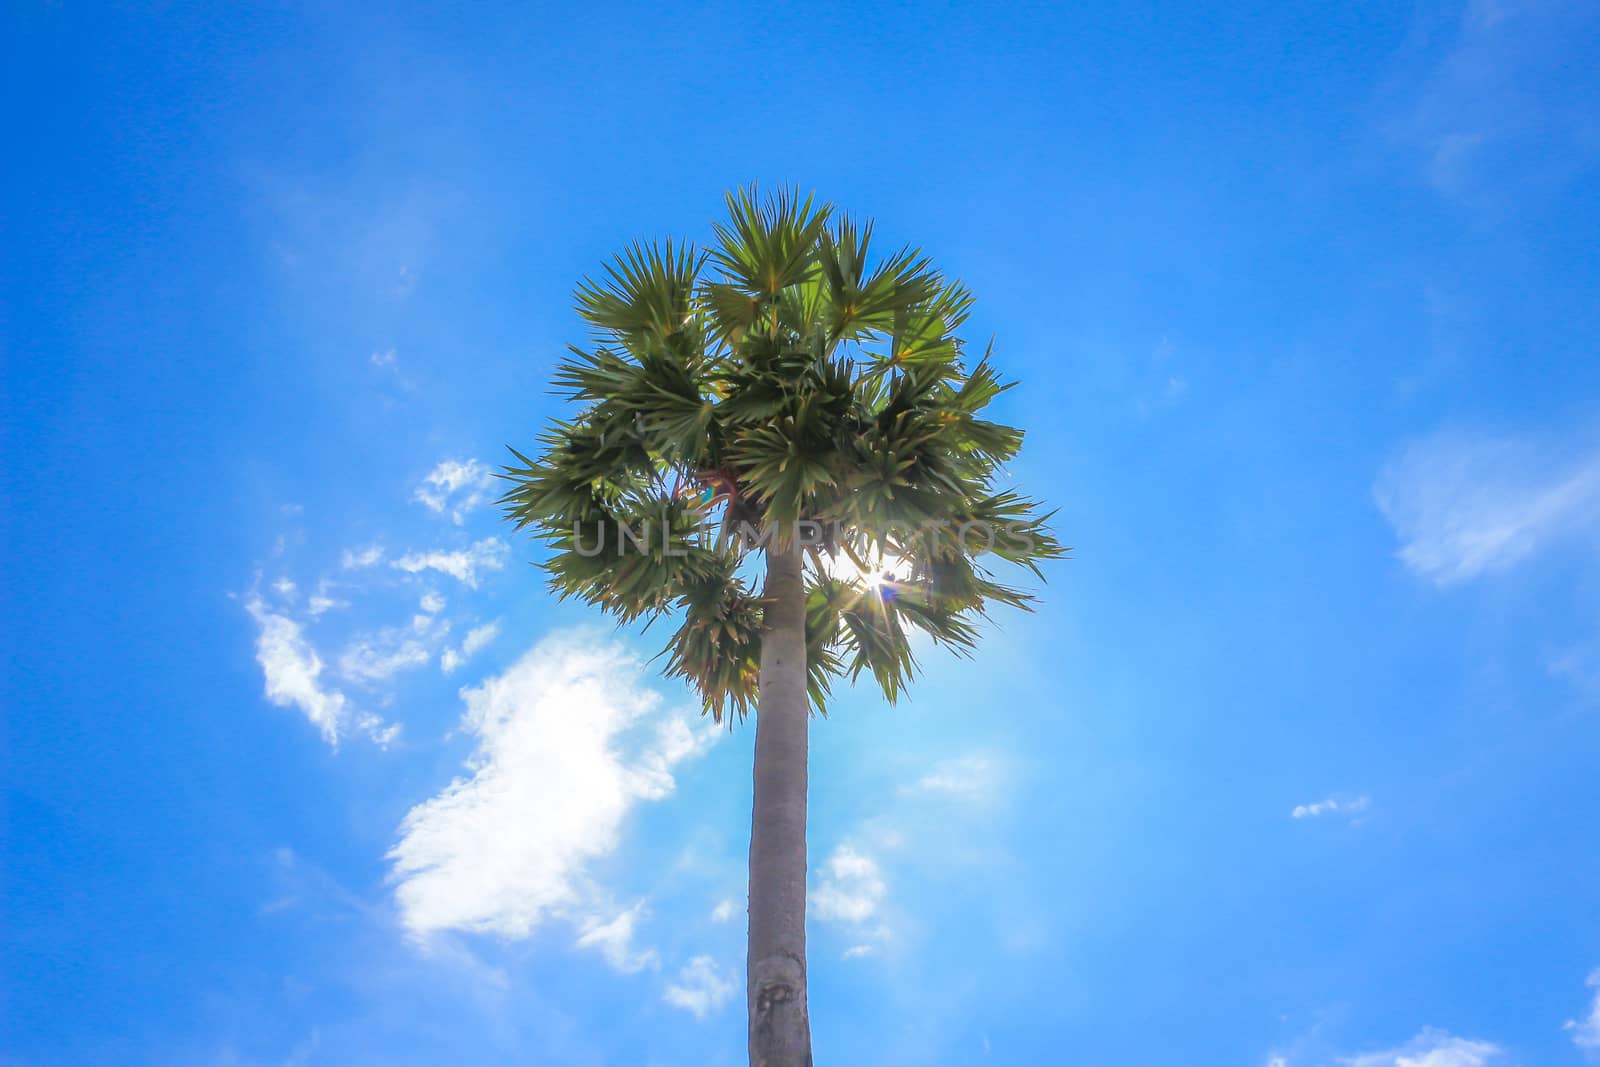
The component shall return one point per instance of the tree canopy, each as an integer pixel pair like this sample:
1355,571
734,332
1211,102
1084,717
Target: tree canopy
782,390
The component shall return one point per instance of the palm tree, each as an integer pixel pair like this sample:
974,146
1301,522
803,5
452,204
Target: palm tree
786,402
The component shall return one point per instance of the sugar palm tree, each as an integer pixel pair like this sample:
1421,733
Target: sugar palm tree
783,406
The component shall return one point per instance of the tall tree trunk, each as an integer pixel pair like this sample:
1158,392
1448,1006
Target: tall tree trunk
780,1027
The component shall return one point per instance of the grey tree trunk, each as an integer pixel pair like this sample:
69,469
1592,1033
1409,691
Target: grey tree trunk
780,1026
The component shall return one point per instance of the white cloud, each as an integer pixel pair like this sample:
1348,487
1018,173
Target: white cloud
1432,1048
1464,506
378,657
564,753
476,640
320,603
432,603
724,911
455,487
462,564
673,741
701,987
359,558
851,887
292,670
1586,1032
374,727
1332,806
614,939
968,776
388,364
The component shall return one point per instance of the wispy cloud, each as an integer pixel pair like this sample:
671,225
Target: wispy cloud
1466,505
700,988
724,911
296,672
1496,115
613,938
1586,1032
965,776
850,889
292,670
378,656
1349,807
477,639
462,564
455,488
361,558
1432,1048
1579,664
323,601
568,743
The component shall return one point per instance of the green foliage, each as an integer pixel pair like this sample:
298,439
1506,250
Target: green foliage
784,377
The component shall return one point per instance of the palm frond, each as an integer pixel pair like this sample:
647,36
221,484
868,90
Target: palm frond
646,293
769,244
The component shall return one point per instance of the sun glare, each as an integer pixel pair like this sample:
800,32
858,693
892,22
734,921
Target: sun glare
877,570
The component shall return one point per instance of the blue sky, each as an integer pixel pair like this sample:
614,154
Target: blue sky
1295,767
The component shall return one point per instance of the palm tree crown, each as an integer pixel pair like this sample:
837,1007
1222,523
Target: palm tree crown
784,384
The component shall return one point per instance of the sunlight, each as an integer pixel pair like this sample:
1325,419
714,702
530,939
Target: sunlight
879,569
